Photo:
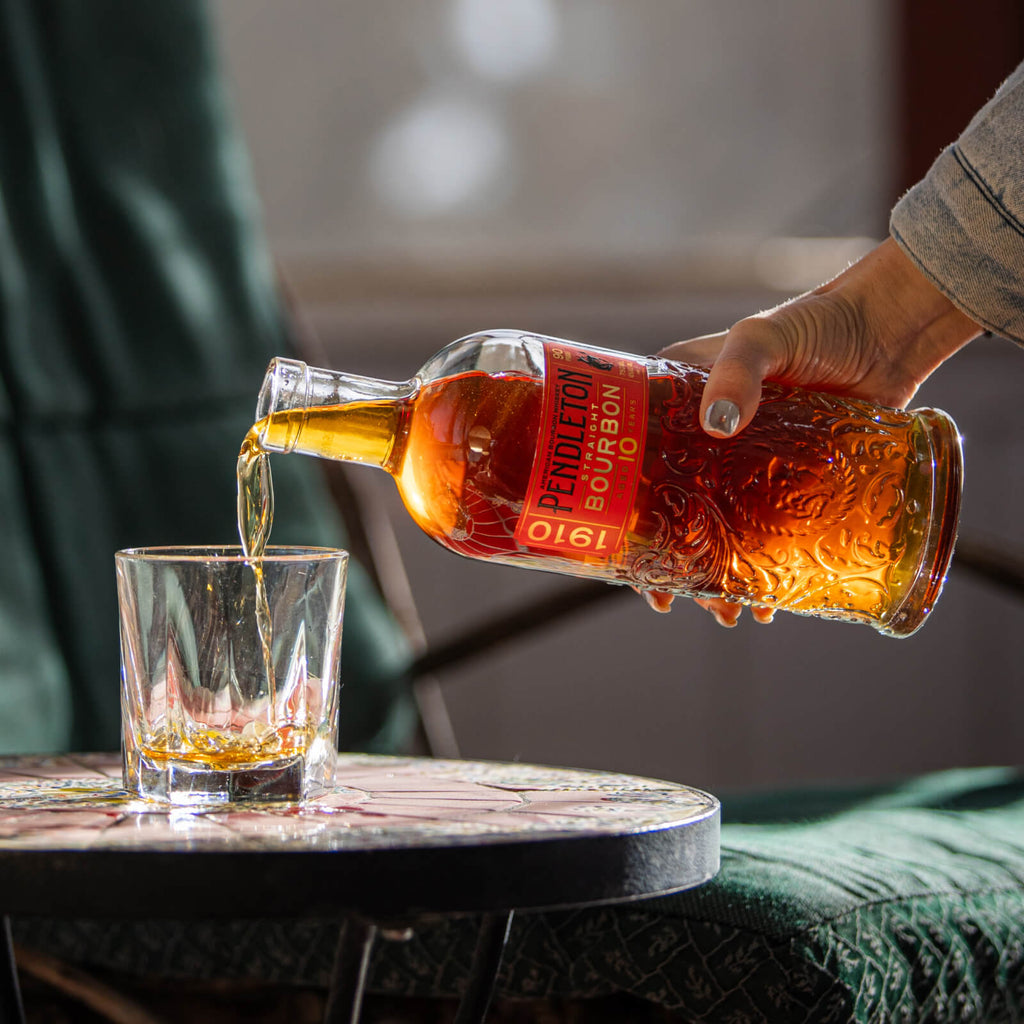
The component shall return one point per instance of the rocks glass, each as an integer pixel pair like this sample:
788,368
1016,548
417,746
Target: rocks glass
229,671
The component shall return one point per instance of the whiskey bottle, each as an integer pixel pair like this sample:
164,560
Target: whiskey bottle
548,454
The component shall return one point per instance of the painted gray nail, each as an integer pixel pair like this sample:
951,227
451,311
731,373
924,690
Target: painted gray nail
722,417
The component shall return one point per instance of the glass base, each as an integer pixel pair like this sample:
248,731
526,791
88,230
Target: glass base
942,467
185,783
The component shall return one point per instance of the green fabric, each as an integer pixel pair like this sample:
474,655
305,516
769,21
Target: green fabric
137,316
896,903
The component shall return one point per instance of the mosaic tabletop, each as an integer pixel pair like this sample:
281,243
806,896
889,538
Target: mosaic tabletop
403,824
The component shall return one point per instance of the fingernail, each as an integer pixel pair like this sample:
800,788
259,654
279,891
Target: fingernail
722,417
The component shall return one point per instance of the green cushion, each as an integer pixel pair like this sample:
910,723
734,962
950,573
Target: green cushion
901,903
896,903
137,315
891,903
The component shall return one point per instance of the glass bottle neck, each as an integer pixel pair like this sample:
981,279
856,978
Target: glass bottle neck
329,414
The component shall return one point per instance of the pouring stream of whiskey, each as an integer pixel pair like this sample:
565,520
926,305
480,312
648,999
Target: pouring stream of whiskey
255,519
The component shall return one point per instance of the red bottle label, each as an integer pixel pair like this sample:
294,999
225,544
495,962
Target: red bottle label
589,451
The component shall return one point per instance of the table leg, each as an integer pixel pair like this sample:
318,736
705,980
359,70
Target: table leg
483,978
11,1009
348,979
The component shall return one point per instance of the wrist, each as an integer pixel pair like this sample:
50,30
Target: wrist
911,319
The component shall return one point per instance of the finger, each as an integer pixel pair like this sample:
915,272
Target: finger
726,613
733,390
762,613
657,600
696,351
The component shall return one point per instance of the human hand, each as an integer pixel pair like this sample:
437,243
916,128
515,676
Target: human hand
876,332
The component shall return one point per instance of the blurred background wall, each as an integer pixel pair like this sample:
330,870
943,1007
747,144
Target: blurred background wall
628,175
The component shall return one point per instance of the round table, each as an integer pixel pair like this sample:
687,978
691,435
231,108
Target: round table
393,839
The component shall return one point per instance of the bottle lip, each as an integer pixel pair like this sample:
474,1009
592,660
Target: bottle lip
286,386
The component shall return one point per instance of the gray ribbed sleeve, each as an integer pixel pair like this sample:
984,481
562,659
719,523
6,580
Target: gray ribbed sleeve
963,224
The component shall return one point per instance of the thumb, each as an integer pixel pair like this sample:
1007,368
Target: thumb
733,389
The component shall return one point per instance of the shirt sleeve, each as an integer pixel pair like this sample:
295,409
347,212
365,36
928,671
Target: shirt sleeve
963,224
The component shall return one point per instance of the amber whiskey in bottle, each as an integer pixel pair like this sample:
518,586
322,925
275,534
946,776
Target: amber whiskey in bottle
548,454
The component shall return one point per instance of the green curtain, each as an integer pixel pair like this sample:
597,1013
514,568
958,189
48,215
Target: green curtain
137,315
